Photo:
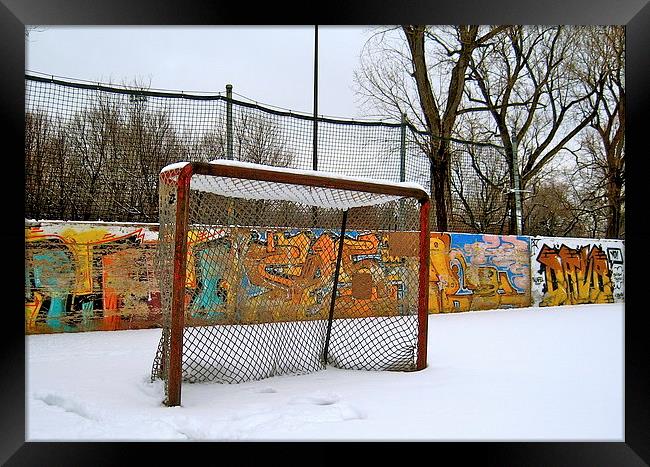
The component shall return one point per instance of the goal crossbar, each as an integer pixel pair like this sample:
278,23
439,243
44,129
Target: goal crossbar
309,186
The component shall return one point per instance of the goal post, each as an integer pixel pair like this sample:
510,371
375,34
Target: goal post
269,270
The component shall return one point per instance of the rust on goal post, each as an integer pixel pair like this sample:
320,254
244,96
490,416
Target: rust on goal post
269,270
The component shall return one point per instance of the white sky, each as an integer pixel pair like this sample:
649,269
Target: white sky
272,65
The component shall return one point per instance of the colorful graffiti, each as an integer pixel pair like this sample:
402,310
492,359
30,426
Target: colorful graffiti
251,276
82,277
478,272
100,276
85,277
576,271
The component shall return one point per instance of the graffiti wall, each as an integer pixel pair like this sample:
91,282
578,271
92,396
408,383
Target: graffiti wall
90,276
258,275
572,271
86,276
478,272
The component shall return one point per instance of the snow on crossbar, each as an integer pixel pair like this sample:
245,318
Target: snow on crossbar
324,189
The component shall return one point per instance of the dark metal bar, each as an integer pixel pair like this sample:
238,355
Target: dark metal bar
315,149
336,283
423,292
516,189
178,290
402,151
229,154
402,166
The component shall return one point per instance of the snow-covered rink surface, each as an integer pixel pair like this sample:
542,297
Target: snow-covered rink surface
536,374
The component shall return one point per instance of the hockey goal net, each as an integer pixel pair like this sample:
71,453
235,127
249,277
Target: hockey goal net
266,271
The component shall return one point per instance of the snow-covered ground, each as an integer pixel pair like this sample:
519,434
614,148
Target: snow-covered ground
528,374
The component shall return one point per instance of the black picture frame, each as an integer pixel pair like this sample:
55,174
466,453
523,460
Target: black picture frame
15,14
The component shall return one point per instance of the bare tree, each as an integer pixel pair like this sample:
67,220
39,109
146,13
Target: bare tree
104,160
401,81
49,167
93,141
603,155
565,204
479,206
63,169
150,142
260,140
526,82
551,212
257,138
37,133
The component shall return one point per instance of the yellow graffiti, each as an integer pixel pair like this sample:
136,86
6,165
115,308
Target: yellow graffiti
456,285
78,277
575,276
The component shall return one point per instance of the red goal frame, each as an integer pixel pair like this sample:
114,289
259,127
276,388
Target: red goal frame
276,175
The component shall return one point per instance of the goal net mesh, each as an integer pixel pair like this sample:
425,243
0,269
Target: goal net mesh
260,268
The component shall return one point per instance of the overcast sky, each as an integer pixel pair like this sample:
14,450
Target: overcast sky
271,65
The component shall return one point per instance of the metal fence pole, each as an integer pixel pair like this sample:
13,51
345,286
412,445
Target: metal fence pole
315,149
402,163
516,188
402,150
229,149
229,154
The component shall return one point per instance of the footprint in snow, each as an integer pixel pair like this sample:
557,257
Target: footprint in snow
317,399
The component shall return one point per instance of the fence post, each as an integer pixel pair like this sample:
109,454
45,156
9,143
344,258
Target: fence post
402,164
315,142
516,188
314,164
229,154
402,151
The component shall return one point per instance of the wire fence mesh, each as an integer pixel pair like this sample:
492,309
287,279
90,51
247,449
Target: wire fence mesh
94,152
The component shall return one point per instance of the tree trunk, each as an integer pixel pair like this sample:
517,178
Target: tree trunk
441,188
614,201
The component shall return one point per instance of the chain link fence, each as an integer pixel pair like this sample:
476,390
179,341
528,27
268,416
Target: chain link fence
94,152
